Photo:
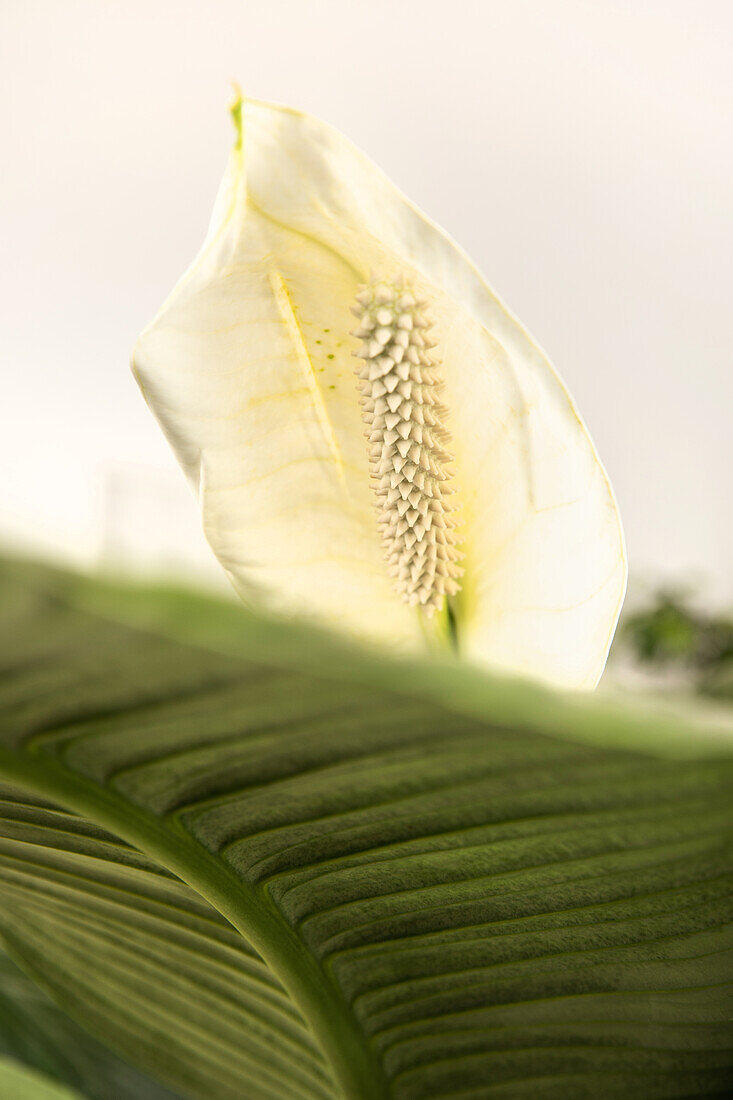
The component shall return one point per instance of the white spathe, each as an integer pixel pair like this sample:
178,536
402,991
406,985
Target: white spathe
249,369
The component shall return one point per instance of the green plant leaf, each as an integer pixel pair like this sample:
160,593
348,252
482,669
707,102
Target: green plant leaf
440,884
36,1033
21,1083
137,956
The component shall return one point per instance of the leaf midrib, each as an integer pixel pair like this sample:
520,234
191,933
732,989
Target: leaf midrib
354,1063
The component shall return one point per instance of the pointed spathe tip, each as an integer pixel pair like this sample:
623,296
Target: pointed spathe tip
235,111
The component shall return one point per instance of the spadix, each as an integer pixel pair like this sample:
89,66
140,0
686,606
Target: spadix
419,541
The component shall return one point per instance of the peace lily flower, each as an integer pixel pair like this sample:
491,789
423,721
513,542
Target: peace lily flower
475,511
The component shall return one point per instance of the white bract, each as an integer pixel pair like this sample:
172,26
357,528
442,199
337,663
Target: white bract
475,510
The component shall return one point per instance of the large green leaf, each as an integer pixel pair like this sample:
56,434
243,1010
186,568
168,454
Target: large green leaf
151,967
20,1083
37,1034
440,885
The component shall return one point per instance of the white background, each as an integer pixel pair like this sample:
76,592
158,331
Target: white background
580,150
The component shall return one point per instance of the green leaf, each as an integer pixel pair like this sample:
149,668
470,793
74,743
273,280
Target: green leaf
34,1032
21,1083
361,877
137,956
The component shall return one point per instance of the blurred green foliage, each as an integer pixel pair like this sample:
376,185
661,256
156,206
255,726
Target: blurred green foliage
670,634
